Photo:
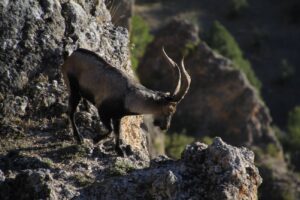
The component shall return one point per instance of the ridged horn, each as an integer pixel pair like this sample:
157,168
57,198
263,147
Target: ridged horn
185,83
176,70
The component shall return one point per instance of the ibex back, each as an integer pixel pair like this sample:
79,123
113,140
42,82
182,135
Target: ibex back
115,94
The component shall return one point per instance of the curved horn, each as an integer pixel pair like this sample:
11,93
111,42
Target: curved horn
177,72
185,83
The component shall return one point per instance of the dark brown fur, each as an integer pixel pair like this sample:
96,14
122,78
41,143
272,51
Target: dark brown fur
113,92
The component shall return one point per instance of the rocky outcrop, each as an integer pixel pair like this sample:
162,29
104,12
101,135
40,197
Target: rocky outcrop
218,171
35,36
196,176
220,101
38,157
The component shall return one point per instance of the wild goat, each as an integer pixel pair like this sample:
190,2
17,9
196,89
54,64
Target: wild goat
116,95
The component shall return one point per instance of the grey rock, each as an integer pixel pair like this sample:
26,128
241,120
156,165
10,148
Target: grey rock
192,177
16,161
2,177
14,105
28,185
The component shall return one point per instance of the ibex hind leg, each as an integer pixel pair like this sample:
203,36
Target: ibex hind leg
107,124
74,100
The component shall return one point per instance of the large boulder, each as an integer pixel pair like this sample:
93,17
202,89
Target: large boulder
219,171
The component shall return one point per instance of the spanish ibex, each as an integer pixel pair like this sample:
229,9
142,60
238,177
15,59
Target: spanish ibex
116,95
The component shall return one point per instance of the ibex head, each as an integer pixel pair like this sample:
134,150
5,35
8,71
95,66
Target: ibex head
170,100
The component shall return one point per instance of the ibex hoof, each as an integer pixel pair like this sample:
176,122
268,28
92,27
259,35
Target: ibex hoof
120,152
128,150
80,140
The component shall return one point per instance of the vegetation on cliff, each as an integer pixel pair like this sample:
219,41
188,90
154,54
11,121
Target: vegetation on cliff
140,37
222,41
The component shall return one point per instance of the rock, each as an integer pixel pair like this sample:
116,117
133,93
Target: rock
14,105
28,185
16,161
221,98
219,171
37,184
2,177
281,184
121,12
222,102
35,37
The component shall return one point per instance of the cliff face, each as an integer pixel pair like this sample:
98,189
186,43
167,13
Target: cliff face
221,99
220,102
38,156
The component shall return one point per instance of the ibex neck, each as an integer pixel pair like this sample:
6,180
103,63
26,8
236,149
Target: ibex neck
144,101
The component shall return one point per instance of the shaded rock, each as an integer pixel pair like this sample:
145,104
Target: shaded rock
2,177
14,106
121,12
153,70
28,185
37,184
16,161
221,99
220,102
281,185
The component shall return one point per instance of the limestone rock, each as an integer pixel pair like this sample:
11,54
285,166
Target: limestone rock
219,171
35,36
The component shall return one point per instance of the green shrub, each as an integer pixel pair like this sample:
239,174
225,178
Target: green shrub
207,140
237,6
291,139
272,150
223,42
294,127
287,70
121,168
175,143
140,37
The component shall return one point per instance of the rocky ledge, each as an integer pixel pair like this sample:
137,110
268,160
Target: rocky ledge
218,171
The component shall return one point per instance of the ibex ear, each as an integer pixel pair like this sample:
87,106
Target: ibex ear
171,108
169,98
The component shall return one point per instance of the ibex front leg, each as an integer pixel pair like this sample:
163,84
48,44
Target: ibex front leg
74,99
116,124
